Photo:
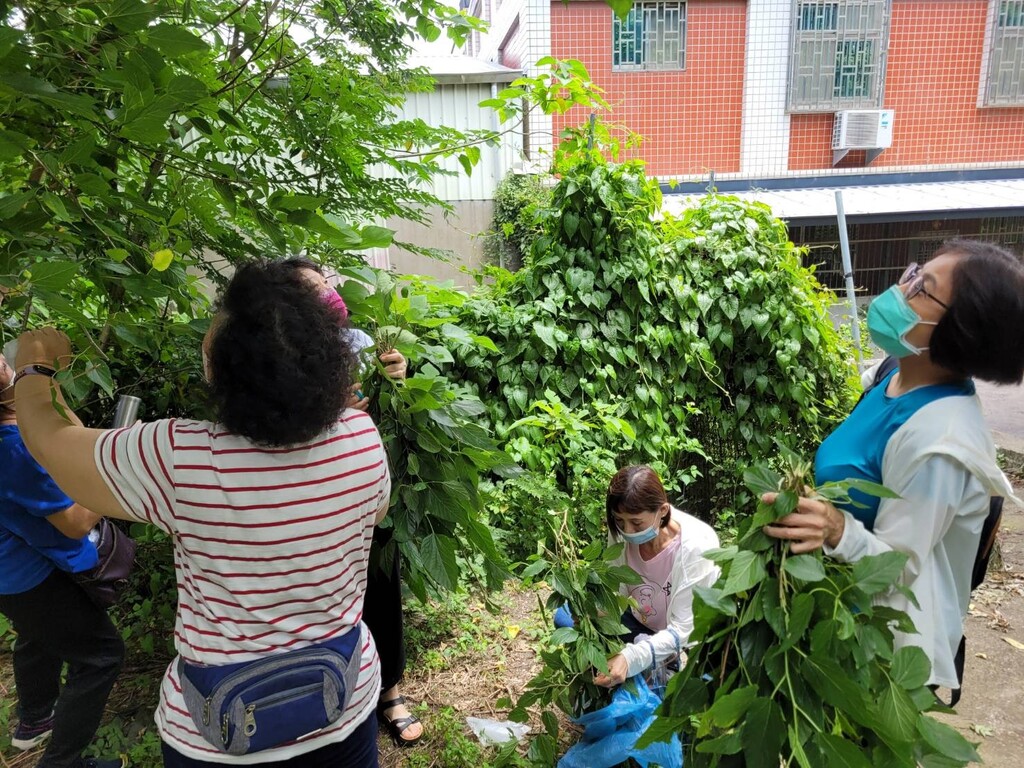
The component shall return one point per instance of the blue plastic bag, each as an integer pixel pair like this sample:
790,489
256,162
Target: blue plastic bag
610,733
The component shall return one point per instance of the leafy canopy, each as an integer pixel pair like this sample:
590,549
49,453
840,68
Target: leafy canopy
149,146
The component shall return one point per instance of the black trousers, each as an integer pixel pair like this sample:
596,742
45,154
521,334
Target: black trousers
633,627
56,624
382,612
357,751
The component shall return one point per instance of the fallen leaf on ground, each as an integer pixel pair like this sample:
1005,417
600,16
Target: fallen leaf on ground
981,730
1015,643
998,621
981,656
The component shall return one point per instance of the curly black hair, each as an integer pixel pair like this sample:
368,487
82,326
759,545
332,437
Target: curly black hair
302,262
279,365
981,335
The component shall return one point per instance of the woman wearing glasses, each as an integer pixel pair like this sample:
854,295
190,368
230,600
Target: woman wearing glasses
921,433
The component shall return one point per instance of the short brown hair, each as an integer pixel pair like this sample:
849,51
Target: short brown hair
981,334
636,488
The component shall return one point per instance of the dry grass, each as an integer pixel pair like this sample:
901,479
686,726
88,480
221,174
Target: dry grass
465,674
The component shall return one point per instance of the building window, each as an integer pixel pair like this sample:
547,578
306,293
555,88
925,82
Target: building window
653,36
838,55
1005,77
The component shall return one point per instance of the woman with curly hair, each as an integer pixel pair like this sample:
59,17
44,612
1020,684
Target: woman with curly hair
271,508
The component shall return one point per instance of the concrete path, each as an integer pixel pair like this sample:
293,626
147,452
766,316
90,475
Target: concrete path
1004,411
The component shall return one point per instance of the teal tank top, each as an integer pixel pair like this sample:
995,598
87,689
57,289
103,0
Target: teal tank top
856,448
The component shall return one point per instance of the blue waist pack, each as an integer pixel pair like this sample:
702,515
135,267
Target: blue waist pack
256,705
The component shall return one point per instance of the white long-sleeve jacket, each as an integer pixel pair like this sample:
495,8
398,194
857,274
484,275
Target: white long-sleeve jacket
942,463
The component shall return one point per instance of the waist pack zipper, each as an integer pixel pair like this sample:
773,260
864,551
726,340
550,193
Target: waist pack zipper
249,718
230,680
230,683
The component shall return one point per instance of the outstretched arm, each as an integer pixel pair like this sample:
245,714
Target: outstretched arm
53,434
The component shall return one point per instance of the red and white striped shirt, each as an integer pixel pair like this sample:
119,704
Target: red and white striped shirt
270,550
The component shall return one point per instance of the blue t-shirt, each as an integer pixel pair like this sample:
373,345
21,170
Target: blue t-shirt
856,448
30,547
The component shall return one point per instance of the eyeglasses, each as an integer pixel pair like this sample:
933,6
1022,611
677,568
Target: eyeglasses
913,278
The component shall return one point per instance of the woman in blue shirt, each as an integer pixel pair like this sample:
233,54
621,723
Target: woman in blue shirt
43,538
921,433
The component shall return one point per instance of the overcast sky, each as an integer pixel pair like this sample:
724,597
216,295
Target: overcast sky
440,47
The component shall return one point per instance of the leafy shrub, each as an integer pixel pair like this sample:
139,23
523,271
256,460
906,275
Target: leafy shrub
567,322
518,199
772,365
704,333
146,610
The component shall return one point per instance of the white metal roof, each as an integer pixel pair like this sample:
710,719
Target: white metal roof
463,69
877,200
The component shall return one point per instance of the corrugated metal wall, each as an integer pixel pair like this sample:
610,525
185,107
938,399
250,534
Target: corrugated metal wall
458,106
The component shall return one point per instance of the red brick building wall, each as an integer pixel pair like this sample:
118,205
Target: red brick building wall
690,119
934,70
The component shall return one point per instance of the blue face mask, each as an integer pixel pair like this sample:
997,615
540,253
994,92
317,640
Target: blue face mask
890,319
641,538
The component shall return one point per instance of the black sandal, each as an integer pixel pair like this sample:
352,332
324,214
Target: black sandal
399,725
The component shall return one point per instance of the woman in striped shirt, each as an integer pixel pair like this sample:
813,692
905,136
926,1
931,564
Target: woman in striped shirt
271,508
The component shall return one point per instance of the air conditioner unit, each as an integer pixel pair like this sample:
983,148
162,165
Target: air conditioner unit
869,129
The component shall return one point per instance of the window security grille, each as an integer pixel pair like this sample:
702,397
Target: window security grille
1005,87
1008,231
652,37
838,56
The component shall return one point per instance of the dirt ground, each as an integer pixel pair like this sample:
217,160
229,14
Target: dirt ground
472,681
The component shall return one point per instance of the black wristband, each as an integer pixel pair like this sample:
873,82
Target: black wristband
33,370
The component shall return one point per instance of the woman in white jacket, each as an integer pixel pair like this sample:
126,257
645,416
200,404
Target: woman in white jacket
921,433
666,548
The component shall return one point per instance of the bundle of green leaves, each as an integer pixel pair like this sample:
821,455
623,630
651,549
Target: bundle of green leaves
766,364
794,662
438,451
586,580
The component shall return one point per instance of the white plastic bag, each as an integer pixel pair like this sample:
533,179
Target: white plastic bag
491,732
